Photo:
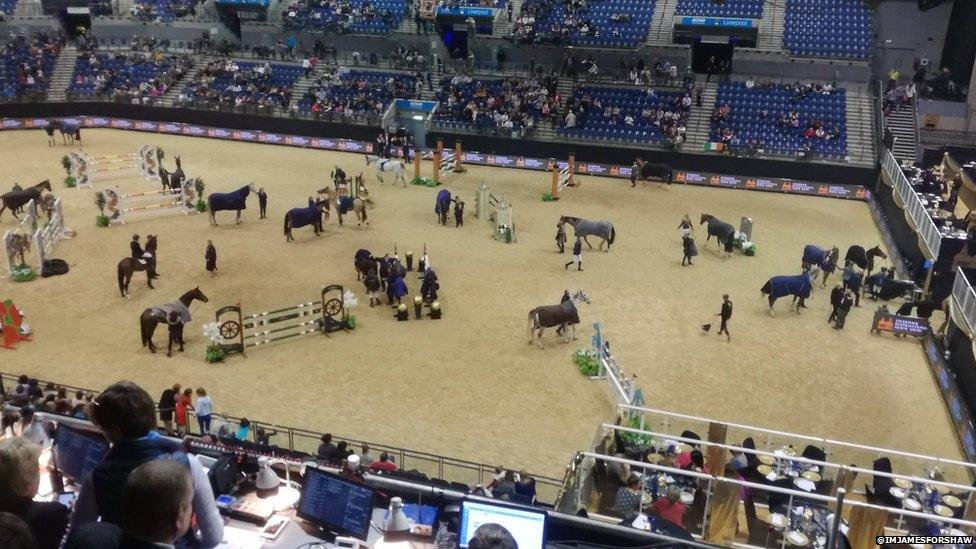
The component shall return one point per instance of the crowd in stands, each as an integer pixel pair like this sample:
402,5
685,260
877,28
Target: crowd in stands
7,7
511,107
807,118
613,23
747,9
453,4
630,114
236,83
353,92
100,7
26,63
140,76
162,11
344,16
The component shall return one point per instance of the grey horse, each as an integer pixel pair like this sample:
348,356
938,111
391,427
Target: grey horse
585,227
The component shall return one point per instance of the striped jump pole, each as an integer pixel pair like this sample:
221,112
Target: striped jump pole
562,178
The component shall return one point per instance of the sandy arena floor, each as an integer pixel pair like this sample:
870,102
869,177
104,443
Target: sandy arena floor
469,386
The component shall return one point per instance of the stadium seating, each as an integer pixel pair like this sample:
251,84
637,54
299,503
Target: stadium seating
839,29
747,122
36,52
550,17
364,92
213,83
380,17
99,7
748,9
162,10
8,6
119,73
593,124
494,101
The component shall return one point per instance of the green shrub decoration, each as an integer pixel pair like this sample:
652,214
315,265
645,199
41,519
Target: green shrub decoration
424,182
215,353
101,220
70,181
549,198
350,322
643,441
66,164
587,363
201,205
23,273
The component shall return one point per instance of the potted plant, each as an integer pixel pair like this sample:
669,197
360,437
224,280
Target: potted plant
66,164
215,350
199,186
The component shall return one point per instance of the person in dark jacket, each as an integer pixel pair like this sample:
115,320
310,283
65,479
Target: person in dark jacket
263,202
561,237
211,257
843,309
15,533
167,404
372,283
19,479
836,296
690,250
142,256
327,450
458,212
725,314
577,255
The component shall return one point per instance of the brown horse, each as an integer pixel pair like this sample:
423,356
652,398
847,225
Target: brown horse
174,315
14,200
563,315
19,244
129,265
646,170
332,199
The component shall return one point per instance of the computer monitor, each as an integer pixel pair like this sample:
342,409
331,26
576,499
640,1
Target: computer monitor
527,526
77,452
338,505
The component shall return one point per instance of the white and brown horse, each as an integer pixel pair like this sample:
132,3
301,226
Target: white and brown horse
563,316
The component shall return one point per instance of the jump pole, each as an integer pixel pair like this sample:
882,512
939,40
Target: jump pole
557,174
416,164
439,159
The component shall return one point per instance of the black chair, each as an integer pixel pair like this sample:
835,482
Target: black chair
814,453
691,435
881,485
460,487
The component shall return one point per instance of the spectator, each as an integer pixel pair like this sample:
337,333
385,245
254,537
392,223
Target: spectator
327,450
183,404
525,486
126,415
204,410
670,508
243,430
19,480
365,457
504,487
627,502
15,533
384,464
157,510
167,406
570,120
492,536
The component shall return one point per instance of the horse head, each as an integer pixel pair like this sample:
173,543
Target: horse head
195,293
178,165
705,218
151,244
46,184
639,162
251,187
581,297
876,251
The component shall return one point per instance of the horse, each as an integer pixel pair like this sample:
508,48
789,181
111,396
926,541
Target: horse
387,165
343,205
162,313
549,316
816,259
172,181
364,262
442,205
300,217
129,265
70,130
236,200
799,286
724,232
646,170
14,200
864,258
19,244
584,227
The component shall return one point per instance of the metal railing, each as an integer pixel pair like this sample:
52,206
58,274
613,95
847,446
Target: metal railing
303,440
931,237
964,298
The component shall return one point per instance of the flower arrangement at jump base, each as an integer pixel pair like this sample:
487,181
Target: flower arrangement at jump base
549,198
199,186
101,220
424,181
587,362
215,352
23,273
349,300
69,181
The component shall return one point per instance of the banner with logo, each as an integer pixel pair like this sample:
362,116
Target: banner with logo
901,325
771,184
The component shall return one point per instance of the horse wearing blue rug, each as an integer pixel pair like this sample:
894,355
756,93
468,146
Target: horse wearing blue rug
236,200
442,205
724,232
303,217
799,286
586,227
816,259
344,204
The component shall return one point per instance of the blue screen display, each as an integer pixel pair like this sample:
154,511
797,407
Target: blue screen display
78,452
334,502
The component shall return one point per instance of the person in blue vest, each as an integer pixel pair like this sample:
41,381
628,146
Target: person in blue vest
126,415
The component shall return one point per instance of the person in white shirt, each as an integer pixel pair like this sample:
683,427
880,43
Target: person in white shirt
570,120
204,410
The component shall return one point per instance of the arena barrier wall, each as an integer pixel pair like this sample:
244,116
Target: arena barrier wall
617,171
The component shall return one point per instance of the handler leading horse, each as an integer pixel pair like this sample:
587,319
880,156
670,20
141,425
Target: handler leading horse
550,316
236,200
817,259
585,227
164,314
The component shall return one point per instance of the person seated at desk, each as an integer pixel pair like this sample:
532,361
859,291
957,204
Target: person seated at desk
327,449
627,502
157,508
384,464
492,536
504,488
19,479
670,507
127,416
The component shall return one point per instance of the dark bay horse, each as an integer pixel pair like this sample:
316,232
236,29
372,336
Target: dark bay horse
301,217
236,200
864,258
585,227
816,259
129,265
15,200
724,232
174,314
646,170
173,180
799,286
550,316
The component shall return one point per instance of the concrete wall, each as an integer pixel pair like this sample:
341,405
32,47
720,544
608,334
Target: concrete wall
907,33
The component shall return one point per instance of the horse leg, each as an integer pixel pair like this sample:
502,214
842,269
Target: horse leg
149,279
150,330
771,300
539,336
238,217
587,242
573,327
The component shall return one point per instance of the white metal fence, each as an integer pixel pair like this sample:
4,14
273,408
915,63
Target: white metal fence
931,237
965,299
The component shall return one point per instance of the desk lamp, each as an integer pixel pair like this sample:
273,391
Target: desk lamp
283,497
396,520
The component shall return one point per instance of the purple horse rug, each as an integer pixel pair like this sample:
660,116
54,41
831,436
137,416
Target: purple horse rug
236,200
302,217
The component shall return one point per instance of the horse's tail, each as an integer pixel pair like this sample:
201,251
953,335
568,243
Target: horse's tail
286,227
613,235
142,331
532,318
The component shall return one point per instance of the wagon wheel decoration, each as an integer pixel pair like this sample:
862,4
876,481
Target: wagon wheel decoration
333,308
230,329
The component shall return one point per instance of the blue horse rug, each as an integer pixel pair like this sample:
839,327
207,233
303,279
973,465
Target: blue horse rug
398,288
345,204
815,255
443,201
301,217
798,285
236,200
363,254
